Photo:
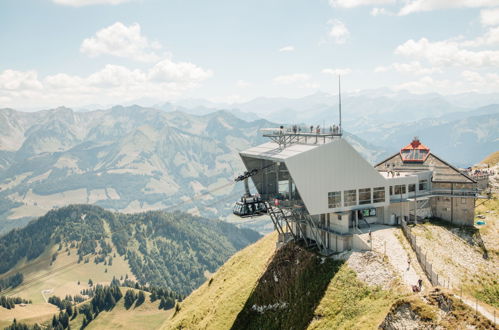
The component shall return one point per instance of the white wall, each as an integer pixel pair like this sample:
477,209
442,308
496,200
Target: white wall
335,166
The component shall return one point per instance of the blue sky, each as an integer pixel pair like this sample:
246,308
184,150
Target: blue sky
79,52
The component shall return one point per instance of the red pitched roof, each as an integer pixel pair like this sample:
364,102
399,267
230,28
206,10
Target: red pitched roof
414,151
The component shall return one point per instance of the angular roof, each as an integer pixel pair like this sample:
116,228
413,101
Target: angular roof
271,151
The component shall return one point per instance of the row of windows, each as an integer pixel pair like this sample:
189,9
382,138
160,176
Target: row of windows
400,189
350,197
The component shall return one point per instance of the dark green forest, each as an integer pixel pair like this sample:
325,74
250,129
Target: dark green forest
170,250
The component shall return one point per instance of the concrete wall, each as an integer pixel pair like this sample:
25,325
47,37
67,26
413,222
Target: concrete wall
456,210
359,244
339,225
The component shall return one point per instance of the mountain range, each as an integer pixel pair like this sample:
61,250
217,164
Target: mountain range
135,158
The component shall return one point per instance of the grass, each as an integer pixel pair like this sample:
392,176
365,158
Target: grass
59,283
289,291
349,303
216,304
333,298
66,281
145,316
30,314
491,159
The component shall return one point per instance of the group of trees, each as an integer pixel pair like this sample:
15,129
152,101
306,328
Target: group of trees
104,298
10,302
11,281
132,297
61,303
166,296
21,326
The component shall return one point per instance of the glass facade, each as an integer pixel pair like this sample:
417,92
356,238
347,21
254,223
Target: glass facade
365,196
379,195
399,189
350,197
334,199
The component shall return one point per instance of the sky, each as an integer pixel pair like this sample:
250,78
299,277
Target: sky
79,53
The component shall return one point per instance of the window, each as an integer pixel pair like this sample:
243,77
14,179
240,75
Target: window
463,200
334,199
412,187
379,195
400,189
339,217
391,190
365,196
350,197
423,185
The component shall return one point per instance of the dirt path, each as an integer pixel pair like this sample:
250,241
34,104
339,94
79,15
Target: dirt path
396,254
482,310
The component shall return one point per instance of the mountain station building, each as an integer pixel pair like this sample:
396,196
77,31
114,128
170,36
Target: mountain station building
320,189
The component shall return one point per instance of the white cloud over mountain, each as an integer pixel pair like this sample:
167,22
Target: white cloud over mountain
449,53
121,41
164,78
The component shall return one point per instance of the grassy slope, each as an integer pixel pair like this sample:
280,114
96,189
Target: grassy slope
224,303
217,302
491,159
349,303
61,283
66,281
459,254
35,313
145,316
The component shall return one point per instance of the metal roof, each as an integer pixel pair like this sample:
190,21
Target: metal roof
271,151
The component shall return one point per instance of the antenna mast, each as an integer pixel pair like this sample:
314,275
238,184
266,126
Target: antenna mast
339,99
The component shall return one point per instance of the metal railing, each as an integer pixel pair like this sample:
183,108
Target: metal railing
427,267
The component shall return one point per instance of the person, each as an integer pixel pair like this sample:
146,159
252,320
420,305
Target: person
420,283
408,264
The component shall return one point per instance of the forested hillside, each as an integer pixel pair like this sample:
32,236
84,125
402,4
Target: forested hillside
172,250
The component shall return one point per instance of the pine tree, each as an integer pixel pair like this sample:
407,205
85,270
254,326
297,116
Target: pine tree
140,299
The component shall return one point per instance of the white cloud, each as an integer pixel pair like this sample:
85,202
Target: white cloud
339,32
12,80
448,53
112,84
80,3
380,11
168,71
287,49
243,84
490,38
337,72
415,6
122,41
427,84
489,16
291,79
413,67
471,82
357,3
